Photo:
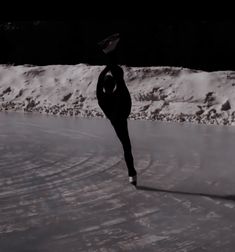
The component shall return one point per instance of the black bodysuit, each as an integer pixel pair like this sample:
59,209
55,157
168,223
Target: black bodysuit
117,107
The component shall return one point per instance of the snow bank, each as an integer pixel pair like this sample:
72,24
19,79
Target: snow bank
158,93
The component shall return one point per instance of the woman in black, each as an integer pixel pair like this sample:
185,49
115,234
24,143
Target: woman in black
115,101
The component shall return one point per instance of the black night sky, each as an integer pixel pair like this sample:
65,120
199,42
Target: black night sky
200,44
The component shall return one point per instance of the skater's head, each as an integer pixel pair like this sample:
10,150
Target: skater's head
109,84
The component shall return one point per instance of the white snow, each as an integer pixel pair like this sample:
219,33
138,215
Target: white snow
158,93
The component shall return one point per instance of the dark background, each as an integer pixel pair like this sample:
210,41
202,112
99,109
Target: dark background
199,44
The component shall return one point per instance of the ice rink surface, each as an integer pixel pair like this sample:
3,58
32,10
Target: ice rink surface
64,186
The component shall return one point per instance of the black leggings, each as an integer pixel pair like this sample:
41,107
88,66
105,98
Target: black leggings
121,129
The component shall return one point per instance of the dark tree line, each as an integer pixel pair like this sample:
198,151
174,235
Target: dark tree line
200,44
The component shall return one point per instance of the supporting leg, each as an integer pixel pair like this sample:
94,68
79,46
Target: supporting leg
121,129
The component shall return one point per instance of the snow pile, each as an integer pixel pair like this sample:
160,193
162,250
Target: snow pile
158,93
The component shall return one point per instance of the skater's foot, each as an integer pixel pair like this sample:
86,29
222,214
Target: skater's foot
133,180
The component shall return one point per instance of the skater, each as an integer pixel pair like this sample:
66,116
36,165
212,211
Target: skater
115,101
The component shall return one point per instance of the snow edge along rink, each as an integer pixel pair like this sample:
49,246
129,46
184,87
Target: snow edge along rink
158,93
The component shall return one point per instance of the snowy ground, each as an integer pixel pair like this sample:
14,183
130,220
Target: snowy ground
158,93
